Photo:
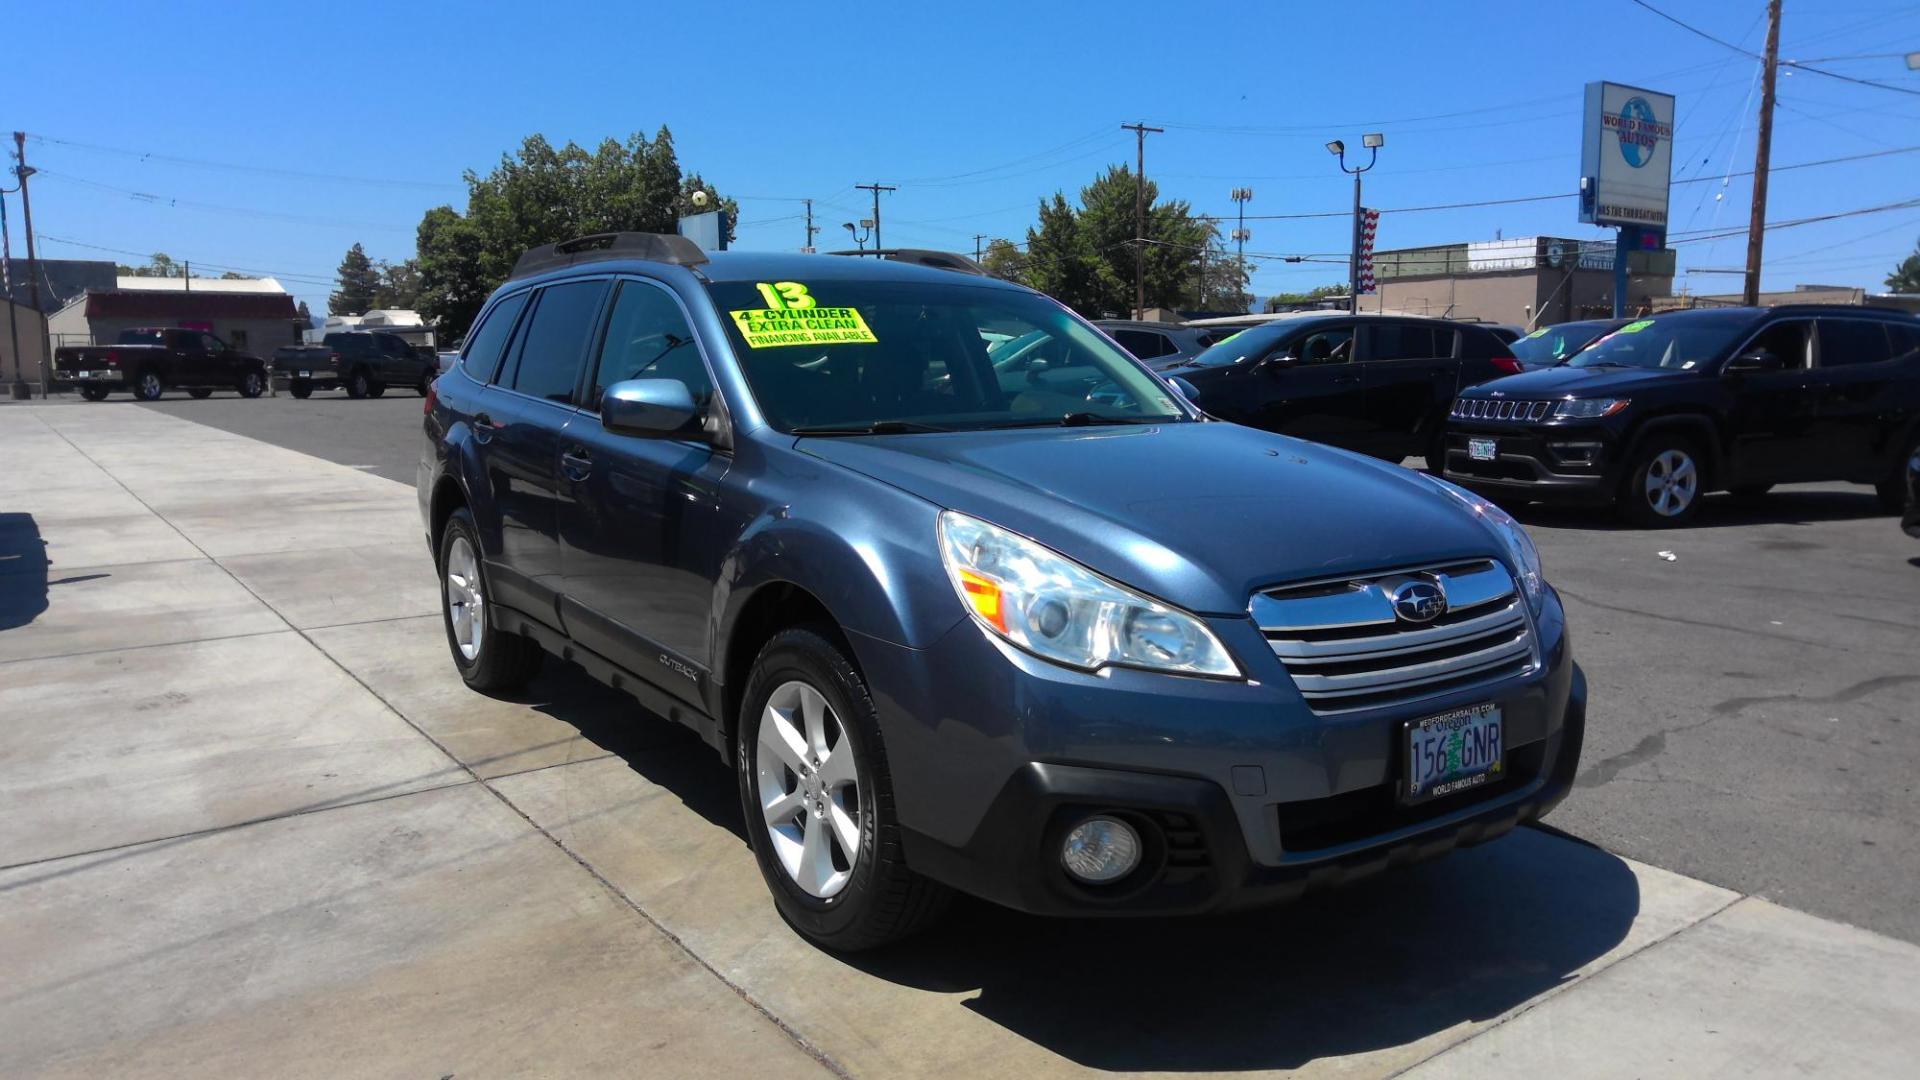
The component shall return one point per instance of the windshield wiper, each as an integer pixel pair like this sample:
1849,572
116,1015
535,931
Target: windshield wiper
1083,419
877,427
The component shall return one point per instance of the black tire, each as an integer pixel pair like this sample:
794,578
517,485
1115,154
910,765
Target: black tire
1891,490
300,388
252,385
501,661
94,393
358,385
148,387
1672,456
881,899
376,389
426,381
199,393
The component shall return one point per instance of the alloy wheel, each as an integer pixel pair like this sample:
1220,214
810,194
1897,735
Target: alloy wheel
809,788
150,386
466,601
1672,483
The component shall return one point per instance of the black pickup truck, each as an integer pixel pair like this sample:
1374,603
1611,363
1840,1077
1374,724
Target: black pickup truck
361,362
151,360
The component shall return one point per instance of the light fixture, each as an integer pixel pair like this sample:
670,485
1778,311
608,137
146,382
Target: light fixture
1101,850
1373,140
1336,147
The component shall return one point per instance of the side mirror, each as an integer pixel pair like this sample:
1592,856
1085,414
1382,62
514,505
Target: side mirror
1756,360
1036,368
1187,389
649,409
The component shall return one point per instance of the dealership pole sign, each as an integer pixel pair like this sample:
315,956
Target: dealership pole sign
1626,156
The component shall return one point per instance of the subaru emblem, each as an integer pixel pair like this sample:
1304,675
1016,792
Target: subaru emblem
1419,601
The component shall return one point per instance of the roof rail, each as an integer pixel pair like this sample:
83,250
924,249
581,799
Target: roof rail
941,260
598,247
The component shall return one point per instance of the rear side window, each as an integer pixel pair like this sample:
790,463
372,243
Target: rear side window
1143,344
1906,340
1845,342
1406,341
555,344
648,338
485,344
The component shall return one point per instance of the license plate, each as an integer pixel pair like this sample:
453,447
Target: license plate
1453,752
306,374
1481,449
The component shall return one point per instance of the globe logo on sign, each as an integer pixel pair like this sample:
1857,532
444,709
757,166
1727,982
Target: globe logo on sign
1638,132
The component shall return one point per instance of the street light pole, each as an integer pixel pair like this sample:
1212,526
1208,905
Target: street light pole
1373,141
1241,195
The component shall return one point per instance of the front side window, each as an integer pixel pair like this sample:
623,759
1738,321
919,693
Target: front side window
489,340
851,354
648,338
1844,342
1789,341
554,346
1333,345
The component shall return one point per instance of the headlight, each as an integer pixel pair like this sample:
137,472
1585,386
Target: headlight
1512,536
1055,608
1589,408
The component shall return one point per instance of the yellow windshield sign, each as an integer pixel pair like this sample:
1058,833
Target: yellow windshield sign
793,317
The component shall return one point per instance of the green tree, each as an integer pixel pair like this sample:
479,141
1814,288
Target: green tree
541,194
305,316
1906,276
359,282
1085,257
159,264
235,275
1288,301
1004,260
399,284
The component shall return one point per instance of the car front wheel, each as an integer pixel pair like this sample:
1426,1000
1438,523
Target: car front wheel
818,799
490,659
251,385
147,387
1664,486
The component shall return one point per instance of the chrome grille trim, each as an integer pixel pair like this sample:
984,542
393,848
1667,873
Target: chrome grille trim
1345,649
1502,409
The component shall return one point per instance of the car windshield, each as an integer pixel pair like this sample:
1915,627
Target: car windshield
848,357
1244,345
1683,341
1552,344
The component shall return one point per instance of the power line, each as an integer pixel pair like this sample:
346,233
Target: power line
303,278
172,202
1796,65
258,170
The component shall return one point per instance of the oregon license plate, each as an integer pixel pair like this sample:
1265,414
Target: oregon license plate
306,374
1453,752
1481,449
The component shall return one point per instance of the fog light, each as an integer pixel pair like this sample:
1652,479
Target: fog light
1100,850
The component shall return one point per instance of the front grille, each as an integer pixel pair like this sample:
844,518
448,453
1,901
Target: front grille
1501,409
1187,857
1346,649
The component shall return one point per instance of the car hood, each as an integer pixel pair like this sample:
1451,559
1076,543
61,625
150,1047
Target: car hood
1197,514
1565,381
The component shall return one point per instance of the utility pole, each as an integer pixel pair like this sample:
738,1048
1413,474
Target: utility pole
19,386
977,237
811,228
33,262
1140,133
876,188
1762,153
1241,196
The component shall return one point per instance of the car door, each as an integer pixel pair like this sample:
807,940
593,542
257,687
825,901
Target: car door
640,527
1771,419
186,357
1410,369
532,401
224,365
1310,386
1855,417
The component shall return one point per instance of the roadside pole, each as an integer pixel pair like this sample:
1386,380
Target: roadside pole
1140,132
33,265
1762,153
19,388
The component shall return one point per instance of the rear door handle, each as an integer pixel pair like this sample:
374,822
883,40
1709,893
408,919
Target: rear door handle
483,427
576,463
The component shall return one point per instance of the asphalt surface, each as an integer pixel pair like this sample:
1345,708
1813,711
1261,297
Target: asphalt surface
1754,719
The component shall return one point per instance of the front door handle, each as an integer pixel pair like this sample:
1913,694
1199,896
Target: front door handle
576,463
483,428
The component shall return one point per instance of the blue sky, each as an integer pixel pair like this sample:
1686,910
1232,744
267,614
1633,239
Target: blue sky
337,122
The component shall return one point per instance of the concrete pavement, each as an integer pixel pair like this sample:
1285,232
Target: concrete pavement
255,824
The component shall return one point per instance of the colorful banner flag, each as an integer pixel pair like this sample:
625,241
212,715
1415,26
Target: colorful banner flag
1369,224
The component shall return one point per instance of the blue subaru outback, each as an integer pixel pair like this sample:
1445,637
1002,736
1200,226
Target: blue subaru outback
1042,633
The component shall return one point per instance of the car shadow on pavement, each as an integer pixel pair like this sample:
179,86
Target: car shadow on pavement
1786,506
1384,963
23,570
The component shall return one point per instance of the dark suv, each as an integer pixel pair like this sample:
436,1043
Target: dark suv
956,633
1377,384
1668,408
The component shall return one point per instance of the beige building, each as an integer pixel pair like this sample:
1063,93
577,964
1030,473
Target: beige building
1527,281
20,323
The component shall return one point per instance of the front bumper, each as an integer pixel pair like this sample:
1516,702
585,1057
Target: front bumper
1543,463
1242,794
